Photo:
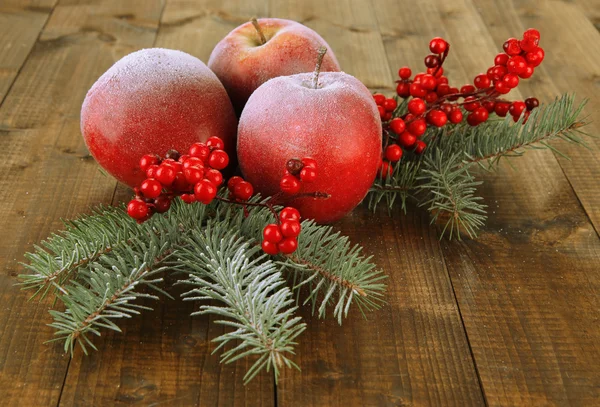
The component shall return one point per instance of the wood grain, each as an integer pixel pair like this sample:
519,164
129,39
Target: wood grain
165,357
48,174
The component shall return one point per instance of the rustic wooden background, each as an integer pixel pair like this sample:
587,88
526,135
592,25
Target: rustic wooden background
509,319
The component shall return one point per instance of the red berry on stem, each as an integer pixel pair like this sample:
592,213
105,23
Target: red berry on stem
379,99
501,59
404,72
438,45
199,150
288,245
416,90
188,198
482,81
531,103
270,248
243,190
403,90
309,162
512,47
289,185
290,228
517,108
443,89
418,127
308,174
471,103
397,125
416,106
516,64
151,188
535,57
162,204
205,191
148,160
529,44
511,80
393,152
501,108
497,72
381,111
431,97
218,159
420,147
527,72
215,143
467,89
193,174
193,161
481,114
137,209
489,105
289,213
233,181
432,61
428,82
271,233
532,33
151,171
437,118
407,140
390,105
180,183
501,88
165,174
214,176
456,116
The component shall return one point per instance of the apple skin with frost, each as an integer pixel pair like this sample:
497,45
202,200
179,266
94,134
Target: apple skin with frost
337,124
149,102
242,63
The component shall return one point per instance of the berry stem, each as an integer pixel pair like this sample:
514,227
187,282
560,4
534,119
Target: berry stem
263,39
320,56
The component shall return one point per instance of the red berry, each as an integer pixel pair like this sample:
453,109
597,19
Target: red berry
165,174
137,209
288,245
193,161
489,105
529,44
290,228
467,89
218,159
432,61
180,183
438,45
497,72
233,181
193,174
517,108
535,57
453,91
404,72
215,143
482,81
183,158
407,140
431,97
289,213
501,59
418,77
443,89
511,80
481,114
188,198
272,234
501,108
148,160
532,33
417,127
379,99
215,177
471,103
501,88
381,111
387,116
512,47
270,248
420,147
151,171
403,90
199,150
162,204
428,82
397,125
416,90
531,103
527,72
456,116
439,71
205,191
308,174
289,184
309,162
393,152
390,105
151,188
416,106
437,118
516,64
385,169
243,190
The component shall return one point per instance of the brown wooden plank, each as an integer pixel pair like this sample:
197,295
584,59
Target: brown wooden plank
528,287
414,350
20,24
164,357
47,173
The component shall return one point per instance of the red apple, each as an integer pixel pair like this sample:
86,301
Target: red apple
336,123
243,62
152,101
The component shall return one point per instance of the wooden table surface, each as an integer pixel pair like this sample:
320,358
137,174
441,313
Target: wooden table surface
509,319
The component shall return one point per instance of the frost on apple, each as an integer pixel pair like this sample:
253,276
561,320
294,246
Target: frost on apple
337,124
151,101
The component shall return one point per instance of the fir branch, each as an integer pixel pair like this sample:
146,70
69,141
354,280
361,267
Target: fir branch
400,185
450,193
252,295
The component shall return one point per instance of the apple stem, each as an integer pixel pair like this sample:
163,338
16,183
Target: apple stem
263,39
315,80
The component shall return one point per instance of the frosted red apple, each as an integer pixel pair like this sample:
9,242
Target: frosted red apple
243,63
337,124
152,101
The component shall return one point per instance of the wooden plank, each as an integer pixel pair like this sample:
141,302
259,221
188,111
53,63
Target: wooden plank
528,287
414,350
20,25
48,174
557,75
165,357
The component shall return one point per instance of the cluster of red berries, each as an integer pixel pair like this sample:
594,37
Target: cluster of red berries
434,102
282,237
195,176
296,172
